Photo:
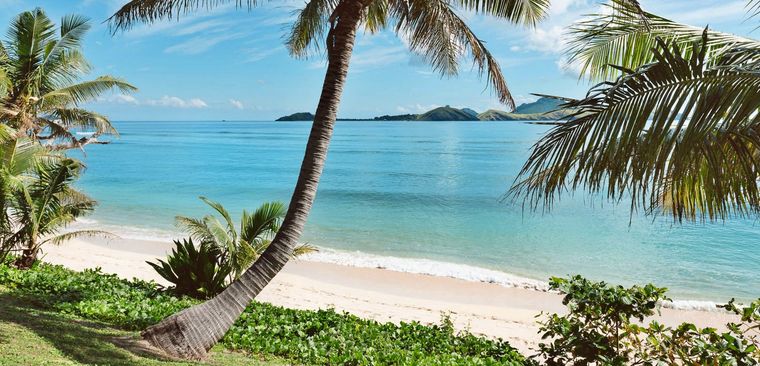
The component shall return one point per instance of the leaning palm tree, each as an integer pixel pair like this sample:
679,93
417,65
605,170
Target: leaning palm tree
239,248
434,30
678,130
43,208
41,87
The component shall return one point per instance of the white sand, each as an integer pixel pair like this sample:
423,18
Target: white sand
383,295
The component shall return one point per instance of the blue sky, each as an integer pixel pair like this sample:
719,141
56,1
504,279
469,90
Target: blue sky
231,64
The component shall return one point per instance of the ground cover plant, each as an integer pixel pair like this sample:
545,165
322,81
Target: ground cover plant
322,337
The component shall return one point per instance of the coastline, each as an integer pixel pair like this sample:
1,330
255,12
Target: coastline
483,308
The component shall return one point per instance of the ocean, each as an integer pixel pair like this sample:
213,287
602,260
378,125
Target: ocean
419,197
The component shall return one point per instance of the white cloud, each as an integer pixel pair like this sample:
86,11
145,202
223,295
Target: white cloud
119,99
573,69
256,54
200,44
547,40
177,102
237,104
415,108
380,56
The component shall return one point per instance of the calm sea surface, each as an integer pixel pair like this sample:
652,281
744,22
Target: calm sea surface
426,193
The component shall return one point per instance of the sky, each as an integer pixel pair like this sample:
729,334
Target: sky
231,64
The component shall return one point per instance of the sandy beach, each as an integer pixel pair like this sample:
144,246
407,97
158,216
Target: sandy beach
482,308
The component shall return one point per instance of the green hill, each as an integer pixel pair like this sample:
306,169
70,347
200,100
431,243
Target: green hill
447,113
542,105
303,116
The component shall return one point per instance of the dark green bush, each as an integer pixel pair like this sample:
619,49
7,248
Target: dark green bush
195,272
603,328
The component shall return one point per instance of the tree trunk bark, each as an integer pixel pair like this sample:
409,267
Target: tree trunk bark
192,332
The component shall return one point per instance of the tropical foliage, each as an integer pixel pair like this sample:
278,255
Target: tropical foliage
604,326
41,87
46,206
41,68
195,272
677,130
238,249
322,337
433,29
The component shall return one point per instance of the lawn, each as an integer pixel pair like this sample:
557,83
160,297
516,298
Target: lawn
32,336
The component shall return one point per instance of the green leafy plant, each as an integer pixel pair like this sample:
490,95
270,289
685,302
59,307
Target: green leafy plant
92,294
604,326
195,272
41,209
322,337
41,86
239,248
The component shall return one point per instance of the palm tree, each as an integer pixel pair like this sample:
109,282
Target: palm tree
678,130
434,30
41,68
17,159
47,205
241,248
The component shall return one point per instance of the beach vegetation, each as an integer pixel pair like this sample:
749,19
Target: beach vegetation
323,337
434,30
42,86
238,247
606,325
673,128
42,71
38,199
197,272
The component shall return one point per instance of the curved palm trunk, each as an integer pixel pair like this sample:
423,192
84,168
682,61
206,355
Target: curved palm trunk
192,332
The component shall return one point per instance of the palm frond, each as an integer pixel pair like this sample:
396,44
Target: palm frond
528,12
149,11
62,238
618,36
230,225
309,27
441,37
90,90
264,222
679,134
195,227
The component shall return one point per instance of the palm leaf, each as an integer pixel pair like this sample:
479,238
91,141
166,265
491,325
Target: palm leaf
150,11
62,238
618,36
679,133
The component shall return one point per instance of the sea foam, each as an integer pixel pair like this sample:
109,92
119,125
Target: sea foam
407,265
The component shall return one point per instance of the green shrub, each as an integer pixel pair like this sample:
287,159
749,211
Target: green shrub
603,328
195,272
94,295
328,338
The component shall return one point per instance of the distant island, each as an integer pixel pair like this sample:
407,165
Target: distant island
544,109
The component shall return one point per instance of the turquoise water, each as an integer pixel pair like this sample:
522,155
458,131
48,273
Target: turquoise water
416,191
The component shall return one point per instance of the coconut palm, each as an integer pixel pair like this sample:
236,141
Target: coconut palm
41,87
678,130
434,30
239,249
41,209
17,159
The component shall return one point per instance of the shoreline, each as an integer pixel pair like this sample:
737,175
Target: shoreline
384,295
359,259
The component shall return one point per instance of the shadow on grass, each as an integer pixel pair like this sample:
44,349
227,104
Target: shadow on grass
81,341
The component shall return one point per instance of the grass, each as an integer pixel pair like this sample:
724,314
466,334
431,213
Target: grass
30,335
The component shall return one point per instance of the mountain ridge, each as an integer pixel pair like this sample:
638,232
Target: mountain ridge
543,109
